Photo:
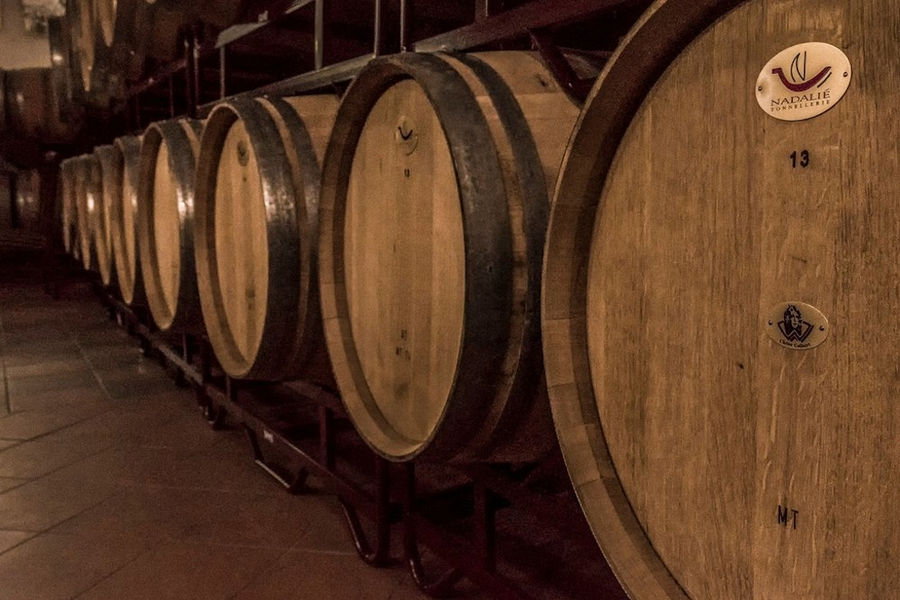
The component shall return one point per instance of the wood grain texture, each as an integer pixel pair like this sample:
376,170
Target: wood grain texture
434,209
88,192
665,386
67,202
110,161
85,39
105,18
241,249
406,313
256,230
123,222
165,222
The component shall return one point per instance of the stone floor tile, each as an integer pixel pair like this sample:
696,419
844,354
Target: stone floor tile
140,498
90,395
26,425
32,459
322,576
49,367
23,355
148,381
115,427
59,567
202,516
33,384
50,500
8,483
179,571
11,539
327,529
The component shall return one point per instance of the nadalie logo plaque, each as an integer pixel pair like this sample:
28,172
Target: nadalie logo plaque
803,81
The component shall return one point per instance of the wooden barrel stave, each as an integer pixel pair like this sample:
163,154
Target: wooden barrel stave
110,161
687,442
165,223
479,276
123,221
85,37
88,191
256,275
31,108
67,201
105,19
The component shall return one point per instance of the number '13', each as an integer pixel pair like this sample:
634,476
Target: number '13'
802,159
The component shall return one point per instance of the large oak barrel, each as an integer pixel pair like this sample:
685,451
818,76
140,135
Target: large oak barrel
31,107
166,222
84,38
123,221
105,18
434,209
720,305
63,90
256,234
28,201
88,192
110,161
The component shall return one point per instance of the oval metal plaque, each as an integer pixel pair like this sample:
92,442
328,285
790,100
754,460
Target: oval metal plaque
803,81
797,325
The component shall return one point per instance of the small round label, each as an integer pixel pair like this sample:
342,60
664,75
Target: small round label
803,81
797,325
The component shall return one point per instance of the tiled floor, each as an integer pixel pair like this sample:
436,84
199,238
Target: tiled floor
111,486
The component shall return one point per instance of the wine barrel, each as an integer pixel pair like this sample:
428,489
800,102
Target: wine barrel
32,108
123,221
59,36
105,19
165,222
84,37
88,196
67,201
256,224
720,302
434,207
28,200
110,161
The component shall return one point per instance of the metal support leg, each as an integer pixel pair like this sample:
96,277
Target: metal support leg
294,483
223,74
441,586
191,56
405,15
380,556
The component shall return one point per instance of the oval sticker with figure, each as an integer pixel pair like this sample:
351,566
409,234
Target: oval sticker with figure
797,325
803,81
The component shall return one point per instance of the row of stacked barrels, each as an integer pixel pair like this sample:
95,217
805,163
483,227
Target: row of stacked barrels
659,311
111,39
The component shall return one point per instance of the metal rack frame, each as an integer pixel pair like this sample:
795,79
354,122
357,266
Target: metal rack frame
409,499
426,503
532,21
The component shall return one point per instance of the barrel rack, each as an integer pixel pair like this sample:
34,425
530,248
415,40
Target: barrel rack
183,86
515,531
